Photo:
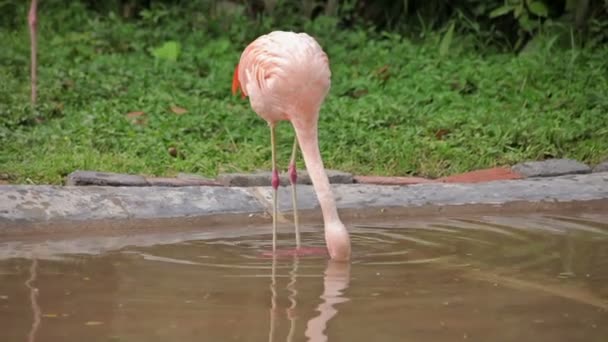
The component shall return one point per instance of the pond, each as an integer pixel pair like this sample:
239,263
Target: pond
477,278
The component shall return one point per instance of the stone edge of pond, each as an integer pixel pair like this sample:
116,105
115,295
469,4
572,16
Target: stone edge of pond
23,205
545,168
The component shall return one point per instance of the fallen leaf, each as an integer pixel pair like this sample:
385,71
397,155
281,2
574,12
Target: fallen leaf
383,73
356,93
466,88
441,132
178,110
57,107
172,151
382,70
131,115
455,85
138,118
67,84
90,323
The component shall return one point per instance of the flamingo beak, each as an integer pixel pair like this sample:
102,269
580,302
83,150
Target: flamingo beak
236,85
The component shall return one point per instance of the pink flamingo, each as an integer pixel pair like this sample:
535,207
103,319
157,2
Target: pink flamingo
286,76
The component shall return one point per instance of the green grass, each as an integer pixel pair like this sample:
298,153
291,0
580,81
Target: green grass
396,107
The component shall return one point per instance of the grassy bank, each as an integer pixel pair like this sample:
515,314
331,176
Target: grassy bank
111,99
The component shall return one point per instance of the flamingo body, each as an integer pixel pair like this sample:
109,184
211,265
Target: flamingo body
286,76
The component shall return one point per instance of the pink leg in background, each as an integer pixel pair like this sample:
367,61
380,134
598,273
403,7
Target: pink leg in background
32,21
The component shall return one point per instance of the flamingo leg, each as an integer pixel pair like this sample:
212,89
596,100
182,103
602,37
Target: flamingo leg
293,178
275,187
32,21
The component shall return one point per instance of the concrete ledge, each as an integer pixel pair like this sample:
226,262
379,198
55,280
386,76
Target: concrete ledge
564,189
26,206
21,204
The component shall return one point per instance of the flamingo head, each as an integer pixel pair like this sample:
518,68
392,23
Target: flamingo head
338,241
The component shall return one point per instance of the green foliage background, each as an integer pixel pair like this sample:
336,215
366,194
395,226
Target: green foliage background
419,87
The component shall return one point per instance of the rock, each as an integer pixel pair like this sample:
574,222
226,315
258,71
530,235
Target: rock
601,167
551,167
263,178
338,177
244,179
117,179
378,180
161,181
104,178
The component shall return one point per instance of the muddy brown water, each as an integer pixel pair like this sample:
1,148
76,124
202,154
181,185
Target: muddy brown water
490,278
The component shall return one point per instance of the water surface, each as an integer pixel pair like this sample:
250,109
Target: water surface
530,278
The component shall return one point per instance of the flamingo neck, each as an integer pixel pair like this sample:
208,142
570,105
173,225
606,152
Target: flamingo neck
336,235
314,165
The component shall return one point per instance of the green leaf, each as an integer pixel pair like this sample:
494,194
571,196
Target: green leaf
446,41
517,11
497,12
169,51
526,23
538,8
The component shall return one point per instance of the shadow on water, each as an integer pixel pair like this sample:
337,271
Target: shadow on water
507,278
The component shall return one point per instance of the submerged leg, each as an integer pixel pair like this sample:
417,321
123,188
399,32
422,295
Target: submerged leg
273,298
275,186
293,293
32,21
293,178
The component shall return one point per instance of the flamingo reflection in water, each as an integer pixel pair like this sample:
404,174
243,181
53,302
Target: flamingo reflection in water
336,280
